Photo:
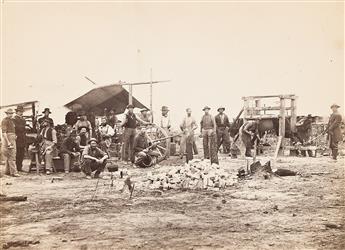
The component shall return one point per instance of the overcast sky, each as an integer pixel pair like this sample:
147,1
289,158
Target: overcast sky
213,53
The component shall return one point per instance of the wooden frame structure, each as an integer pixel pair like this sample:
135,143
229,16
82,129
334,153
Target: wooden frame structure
254,109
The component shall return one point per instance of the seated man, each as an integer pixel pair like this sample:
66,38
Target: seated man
93,159
105,132
146,153
70,151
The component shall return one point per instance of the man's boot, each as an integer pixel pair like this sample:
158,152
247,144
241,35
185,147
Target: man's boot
334,154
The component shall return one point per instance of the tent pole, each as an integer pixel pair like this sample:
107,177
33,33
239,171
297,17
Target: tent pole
151,95
130,97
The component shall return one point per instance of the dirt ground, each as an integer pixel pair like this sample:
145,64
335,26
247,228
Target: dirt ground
299,212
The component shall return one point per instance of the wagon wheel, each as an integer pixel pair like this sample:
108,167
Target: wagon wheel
155,132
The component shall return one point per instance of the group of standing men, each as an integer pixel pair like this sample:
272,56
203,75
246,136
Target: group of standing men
14,140
213,130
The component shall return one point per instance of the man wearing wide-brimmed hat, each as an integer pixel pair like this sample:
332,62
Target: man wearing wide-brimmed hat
20,125
223,126
46,112
144,115
49,150
334,131
9,143
166,125
93,159
207,130
130,124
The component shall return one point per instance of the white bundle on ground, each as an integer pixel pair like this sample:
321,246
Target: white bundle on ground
197,174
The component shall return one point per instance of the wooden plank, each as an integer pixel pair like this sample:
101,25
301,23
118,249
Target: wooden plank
269,108
293,119
280,138
13,198
291,96
264,116
282,118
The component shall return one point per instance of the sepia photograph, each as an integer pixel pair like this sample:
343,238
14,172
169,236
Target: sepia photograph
172,124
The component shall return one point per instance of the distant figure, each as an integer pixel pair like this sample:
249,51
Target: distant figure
93,159
45,117
249,135
334,131
48,148
166,125
71,118
106,132
20,125
146,153
9,144
144,116
130,124
70,151
112,119
165,119
187,126
207,130
223,126
83,123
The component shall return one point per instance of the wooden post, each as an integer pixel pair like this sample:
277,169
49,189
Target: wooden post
293,120
245,109
130,96
151,95
282,119
257,106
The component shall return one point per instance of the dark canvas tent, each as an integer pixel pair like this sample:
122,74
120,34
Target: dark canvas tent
110,97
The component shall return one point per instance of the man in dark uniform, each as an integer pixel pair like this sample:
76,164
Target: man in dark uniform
46,117
70,152
130,124
249,135
223,126
145,152
334,131
20,123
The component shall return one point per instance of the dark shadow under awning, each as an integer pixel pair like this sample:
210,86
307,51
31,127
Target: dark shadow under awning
110,97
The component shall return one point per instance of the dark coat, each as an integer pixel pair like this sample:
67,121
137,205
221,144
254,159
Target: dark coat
334,130
20,123
219,121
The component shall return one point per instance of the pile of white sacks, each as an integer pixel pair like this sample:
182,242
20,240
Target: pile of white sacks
197,174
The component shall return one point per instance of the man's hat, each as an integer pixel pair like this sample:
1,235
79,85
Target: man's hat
335,105
130,106
20,108
165,108
46,110
220,108
92,139
9,111
144,109
206,107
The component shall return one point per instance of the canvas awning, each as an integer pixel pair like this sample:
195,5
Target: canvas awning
110,97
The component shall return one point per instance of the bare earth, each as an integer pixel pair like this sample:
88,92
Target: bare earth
299,212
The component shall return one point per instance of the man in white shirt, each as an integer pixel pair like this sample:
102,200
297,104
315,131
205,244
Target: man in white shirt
165,124
187,126
48,148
